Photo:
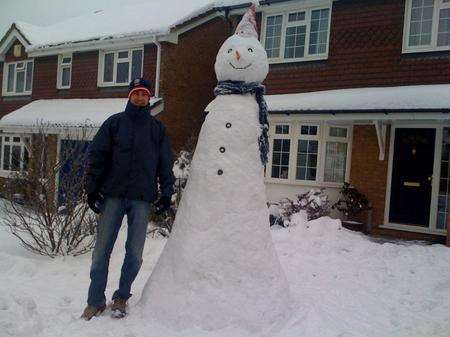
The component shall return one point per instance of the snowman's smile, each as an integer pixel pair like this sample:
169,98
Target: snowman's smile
239,68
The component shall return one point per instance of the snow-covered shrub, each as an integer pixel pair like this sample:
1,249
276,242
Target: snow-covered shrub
162,224
351,202
315,203
47,220
275,216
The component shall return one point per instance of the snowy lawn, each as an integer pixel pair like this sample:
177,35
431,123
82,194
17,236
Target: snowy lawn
343,284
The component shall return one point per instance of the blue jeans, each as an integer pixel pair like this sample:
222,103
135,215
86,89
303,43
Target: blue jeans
112,213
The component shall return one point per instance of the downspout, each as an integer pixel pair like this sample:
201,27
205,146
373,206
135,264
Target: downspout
158,66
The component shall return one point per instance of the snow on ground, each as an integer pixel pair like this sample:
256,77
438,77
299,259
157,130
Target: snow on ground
343,284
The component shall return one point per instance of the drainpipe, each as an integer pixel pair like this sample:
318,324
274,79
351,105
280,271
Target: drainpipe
158,66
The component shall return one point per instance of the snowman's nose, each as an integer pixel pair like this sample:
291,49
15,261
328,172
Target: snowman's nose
238,56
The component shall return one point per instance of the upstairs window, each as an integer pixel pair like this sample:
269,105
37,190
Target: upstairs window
427,25
118,68
18,78
297,35
64,71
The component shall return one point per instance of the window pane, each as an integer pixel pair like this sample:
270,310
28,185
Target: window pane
20,81
26,159
123,69
280,158
444,181
295,42
421,20
66,60
307,159
319,31
299,16
282,129
338,132
335,162
136,67
309,130
65,80
108,68
11,70
15,158
6,157
29,76
273,36
123,54
444,28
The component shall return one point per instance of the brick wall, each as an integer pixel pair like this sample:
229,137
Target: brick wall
365,50
188,79
84,78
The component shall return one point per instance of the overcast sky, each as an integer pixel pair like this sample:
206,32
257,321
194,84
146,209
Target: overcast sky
46,12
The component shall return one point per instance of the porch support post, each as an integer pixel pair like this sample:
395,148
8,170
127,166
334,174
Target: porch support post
380,127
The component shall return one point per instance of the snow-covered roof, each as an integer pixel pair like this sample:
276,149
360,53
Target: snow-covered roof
418,98
61,113
154,18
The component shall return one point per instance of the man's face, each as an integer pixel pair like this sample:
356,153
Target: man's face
139,98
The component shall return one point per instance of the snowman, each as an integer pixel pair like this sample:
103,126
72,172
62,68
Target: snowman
219,268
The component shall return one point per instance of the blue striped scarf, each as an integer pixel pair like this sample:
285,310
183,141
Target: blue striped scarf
239,87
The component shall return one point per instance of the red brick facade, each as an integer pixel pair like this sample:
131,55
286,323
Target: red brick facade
84,78
365,50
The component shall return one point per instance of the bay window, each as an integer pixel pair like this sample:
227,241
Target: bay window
18,78
14,155
310,153
297,35
427,25
117,68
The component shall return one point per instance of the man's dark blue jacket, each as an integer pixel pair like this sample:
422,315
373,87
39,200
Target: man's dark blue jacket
129,155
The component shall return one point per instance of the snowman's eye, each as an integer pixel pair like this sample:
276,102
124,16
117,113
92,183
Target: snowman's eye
230,50
250,50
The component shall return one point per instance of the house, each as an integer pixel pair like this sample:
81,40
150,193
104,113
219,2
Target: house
358,90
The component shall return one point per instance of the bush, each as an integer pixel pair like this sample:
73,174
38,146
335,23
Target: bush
162,224
34,211
315,203
351,202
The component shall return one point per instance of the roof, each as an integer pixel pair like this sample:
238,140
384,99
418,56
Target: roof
154,18
416,98
68,113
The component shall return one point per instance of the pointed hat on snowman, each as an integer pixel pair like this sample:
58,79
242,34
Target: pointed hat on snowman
248,27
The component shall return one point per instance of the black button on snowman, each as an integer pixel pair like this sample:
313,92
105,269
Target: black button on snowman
222,149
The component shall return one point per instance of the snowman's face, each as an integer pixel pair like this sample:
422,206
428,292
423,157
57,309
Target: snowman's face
241,59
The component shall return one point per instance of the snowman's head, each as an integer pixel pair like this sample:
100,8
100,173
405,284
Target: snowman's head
242,57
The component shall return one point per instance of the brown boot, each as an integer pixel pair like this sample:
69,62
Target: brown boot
91,311
119,308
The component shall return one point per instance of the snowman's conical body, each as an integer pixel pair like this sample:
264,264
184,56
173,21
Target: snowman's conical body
219,267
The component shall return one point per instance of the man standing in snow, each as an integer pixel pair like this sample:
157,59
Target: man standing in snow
127,158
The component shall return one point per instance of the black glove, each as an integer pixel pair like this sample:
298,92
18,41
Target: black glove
163,205
93,200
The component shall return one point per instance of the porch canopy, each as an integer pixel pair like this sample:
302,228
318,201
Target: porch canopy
373,105
57,115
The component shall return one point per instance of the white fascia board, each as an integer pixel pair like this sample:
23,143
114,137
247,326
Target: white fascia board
13,35
413,116
284,6
173,36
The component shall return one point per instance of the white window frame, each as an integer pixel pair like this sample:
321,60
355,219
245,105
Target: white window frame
322,136
101,61
61,67
285,13
6,75
8,173
434,30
